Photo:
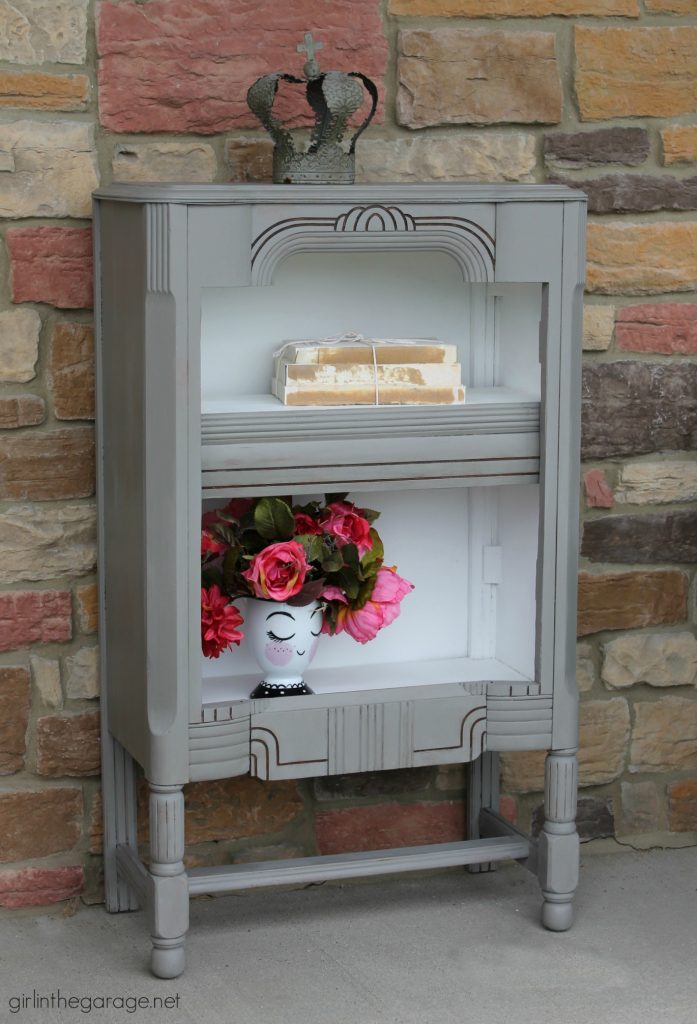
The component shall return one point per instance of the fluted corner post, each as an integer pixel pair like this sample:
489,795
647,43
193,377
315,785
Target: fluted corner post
558,852
169,909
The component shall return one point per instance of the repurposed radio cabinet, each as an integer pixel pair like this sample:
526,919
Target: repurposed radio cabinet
196,286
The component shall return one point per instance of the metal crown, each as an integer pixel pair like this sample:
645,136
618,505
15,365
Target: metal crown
333,96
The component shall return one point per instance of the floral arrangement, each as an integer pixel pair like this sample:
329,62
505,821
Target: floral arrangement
270,549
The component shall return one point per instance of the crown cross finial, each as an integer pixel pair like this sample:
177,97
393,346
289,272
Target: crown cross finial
309,46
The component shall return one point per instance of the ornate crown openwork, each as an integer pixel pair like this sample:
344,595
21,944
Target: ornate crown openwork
333,96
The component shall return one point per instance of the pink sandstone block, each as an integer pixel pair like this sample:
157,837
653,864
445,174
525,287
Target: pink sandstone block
666,328
33,887
186,65
389,825
598,491
34,616
508,809
51,265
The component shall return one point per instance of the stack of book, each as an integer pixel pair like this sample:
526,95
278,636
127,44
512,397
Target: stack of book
374,371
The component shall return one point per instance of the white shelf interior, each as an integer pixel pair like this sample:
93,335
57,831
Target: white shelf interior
462,621
219,689
495,327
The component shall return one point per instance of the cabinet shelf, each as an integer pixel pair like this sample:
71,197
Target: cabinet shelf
226,688
260,445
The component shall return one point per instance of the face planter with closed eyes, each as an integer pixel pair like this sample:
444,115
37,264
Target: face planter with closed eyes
283,638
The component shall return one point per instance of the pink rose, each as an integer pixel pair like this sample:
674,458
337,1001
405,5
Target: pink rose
278,572
343,522
305,524
219,622
363,624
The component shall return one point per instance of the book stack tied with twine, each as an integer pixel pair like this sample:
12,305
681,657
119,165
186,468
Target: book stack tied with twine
352,370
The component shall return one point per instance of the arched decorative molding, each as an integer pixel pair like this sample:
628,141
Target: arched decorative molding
376,228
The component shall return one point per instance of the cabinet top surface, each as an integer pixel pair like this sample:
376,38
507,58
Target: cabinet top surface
217,194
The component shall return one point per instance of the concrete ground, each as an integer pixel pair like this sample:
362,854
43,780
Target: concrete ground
451,948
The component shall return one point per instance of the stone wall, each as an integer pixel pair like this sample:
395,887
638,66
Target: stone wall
598,93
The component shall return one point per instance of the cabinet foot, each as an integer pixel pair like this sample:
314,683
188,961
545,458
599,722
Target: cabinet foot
558,848
557,917
168,958
169,901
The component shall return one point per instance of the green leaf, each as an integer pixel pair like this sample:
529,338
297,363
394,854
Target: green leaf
347,582
331,498
370,514
349,553
376,553
313,546
364,593
273,519
332,562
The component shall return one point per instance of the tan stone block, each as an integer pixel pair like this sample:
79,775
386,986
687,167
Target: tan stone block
39,91
664,735
671,6
523,771
598,327
38,543
41,31
483,156
635,259
679,144
641,808
630,600
603,738
21,411
68,745
251,159
586,674
15,699
164,161
82,674
87,599
55,169
46,674
19,344
659,659
470,76
47,465
636,72
682,798
517,8
657,483
37,823
233,808
72,371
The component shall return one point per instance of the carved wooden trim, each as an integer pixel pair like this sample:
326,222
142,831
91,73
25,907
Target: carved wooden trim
158,264
376,227
166,830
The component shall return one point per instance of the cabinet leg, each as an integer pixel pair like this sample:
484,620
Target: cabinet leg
169,909
482,791
558,850
120,824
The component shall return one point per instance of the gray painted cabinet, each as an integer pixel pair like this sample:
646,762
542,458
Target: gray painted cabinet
196,285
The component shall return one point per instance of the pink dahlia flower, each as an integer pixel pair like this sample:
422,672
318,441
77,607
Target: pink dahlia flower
219,622
278,572
210,545
305,524
343,521
383,607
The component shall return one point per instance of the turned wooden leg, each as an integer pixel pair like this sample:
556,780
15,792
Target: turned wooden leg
482,791
169,909
120,825
558,845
